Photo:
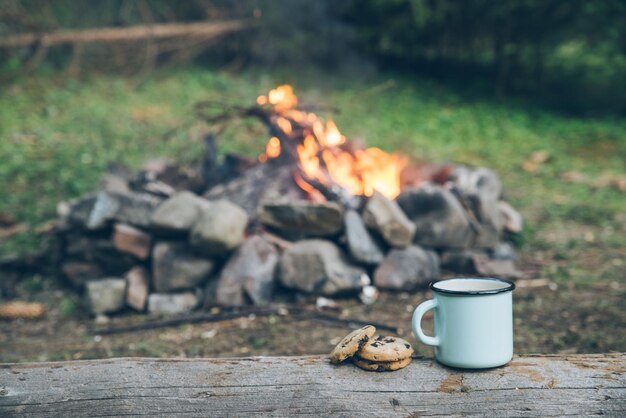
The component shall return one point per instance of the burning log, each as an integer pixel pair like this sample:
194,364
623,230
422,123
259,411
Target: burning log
333,192
324,163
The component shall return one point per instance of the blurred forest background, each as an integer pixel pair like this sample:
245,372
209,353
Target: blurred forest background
533,89
570,55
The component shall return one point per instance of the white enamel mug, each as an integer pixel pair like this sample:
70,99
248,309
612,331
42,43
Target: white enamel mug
473,322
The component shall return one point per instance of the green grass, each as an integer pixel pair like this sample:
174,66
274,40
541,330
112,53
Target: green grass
56,136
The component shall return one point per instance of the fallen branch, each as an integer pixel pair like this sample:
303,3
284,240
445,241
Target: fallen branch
123,34
238,312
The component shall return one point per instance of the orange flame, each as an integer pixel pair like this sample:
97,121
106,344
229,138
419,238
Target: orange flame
333,136
284,125
314,194
272,149
321,156
282,98
307,154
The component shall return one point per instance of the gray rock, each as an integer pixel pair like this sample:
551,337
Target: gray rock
106,296
210,293
131,208
219,229
438,215
491,224
360,243
489,219
482,188
301,217
251,269
460,261
513,221
318,266
137,288
136,208
172,303
174,267
386,217
476,262
77,211
477,181
178,213
407,269
97,211
497,268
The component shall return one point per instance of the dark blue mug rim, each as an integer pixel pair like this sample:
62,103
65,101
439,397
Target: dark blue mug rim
510,286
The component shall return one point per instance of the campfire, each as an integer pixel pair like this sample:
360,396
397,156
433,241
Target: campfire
323,155
316,214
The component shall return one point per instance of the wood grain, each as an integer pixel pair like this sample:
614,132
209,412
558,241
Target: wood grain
292,386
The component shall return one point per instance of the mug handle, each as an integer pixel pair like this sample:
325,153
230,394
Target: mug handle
417,323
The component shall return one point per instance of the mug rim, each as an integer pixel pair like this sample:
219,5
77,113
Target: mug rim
509,288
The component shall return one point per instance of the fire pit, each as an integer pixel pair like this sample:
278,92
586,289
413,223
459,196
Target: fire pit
316,214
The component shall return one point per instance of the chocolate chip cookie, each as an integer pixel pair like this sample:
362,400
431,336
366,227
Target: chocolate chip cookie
383,348
381,366
352,343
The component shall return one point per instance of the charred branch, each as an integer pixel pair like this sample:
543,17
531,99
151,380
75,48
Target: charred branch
295,312
335,193
216,113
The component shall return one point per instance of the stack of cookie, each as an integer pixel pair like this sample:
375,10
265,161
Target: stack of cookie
371,352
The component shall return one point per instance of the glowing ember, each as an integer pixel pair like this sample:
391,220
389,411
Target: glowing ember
321,156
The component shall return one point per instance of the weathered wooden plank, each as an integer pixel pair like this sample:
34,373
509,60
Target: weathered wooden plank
290,386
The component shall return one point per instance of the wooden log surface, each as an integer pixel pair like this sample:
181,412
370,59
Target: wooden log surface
581,385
